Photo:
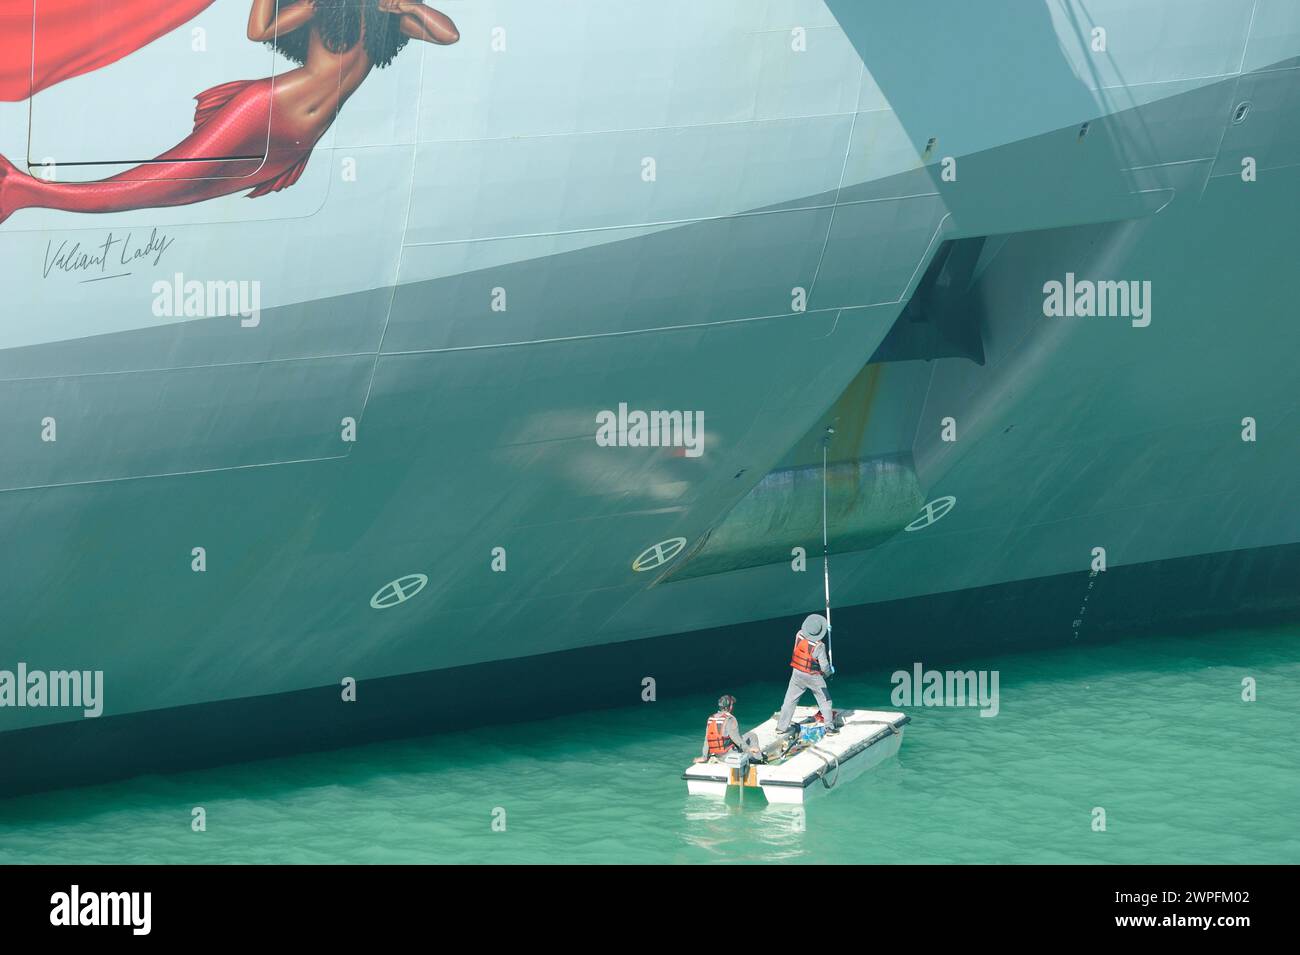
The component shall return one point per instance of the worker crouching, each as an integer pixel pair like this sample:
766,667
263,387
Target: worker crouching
722,733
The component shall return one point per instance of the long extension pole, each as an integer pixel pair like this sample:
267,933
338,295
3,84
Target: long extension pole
826,551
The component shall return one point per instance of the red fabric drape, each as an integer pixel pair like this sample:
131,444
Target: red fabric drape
71,37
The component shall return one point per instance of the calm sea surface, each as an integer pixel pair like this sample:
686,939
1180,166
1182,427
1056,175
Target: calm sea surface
1154,731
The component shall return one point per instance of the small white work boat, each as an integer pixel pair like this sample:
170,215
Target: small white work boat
816,763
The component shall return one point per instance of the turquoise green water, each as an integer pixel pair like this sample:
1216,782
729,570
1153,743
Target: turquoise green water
1154,732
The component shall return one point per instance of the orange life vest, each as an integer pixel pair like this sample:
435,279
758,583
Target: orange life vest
715,734
803,659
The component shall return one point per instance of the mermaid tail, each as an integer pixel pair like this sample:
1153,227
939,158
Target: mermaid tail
209,106
7,174
230,120
210,102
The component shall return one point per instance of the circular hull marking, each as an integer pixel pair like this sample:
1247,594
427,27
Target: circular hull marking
659,554
398,591
932,512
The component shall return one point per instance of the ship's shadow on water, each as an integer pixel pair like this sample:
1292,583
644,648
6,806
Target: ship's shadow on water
1133,752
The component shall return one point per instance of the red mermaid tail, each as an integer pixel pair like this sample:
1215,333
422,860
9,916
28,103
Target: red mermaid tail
226,153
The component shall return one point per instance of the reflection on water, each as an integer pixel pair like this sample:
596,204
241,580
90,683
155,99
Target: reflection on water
745,825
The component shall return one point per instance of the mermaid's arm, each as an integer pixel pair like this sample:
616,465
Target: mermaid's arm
421,22
264,22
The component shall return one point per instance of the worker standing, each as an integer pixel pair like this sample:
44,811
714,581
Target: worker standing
810,666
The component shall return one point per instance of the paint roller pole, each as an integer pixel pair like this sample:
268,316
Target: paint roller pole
826,552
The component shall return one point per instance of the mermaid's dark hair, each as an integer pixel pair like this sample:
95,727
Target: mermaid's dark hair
339,23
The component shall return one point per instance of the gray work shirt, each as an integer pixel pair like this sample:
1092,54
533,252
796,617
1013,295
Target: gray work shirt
731,729
819,654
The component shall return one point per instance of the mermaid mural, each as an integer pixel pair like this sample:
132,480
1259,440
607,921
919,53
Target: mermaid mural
335,42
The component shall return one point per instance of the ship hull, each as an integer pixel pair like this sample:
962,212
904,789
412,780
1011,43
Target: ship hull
1185,595
391,473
